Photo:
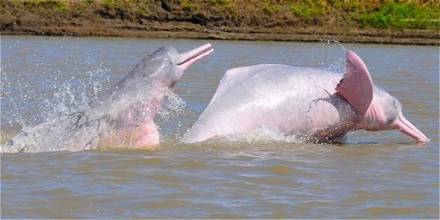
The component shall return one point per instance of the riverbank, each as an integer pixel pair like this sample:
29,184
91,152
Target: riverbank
366,22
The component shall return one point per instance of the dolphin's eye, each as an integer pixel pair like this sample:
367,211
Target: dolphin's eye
395,104
393,111
391,119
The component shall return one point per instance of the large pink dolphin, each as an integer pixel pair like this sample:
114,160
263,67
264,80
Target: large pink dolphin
122,117
311,104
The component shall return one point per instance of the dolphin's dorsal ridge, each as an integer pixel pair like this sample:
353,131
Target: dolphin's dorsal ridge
356,86
230,78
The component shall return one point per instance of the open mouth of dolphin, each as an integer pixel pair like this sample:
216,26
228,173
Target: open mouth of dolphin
188,58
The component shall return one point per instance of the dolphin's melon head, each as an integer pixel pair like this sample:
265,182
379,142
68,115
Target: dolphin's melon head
166,65
165,69
377,108
385,112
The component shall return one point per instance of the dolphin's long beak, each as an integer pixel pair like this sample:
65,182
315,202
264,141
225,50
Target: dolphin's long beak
409,129
188,58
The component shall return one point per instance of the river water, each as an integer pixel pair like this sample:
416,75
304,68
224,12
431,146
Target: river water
371,174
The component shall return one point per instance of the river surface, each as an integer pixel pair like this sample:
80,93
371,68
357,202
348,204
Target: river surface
371,174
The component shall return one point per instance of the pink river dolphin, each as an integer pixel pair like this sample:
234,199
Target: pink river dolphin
311,104
123,117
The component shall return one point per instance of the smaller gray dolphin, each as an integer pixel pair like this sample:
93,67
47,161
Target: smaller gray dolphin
123,117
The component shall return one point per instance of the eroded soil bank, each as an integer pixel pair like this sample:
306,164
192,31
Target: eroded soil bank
366,22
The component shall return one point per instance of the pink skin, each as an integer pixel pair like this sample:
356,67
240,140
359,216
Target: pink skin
378,109
312,104
149,135
137,129
375,119
187,59
149,131
409,129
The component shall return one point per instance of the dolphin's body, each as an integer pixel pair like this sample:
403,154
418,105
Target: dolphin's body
310,104
123,117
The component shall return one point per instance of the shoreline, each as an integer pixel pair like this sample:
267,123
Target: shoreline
405,22
170,30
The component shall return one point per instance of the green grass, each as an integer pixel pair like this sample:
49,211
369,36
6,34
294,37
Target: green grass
309,9
57,5
270,8
188,5
402,15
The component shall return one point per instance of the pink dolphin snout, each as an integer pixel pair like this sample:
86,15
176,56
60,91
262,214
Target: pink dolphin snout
406,127
186,59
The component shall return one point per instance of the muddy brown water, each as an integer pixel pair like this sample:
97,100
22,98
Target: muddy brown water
371,174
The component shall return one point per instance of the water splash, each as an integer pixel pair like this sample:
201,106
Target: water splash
173,106
262,135
335,53
69,127
171,116
52,116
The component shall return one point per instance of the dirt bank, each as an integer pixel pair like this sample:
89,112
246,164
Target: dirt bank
224,19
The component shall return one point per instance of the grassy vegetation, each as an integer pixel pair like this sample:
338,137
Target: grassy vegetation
310,9
402,15
420,14
363,13
59,6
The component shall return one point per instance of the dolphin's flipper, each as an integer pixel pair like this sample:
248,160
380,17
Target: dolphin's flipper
356,86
